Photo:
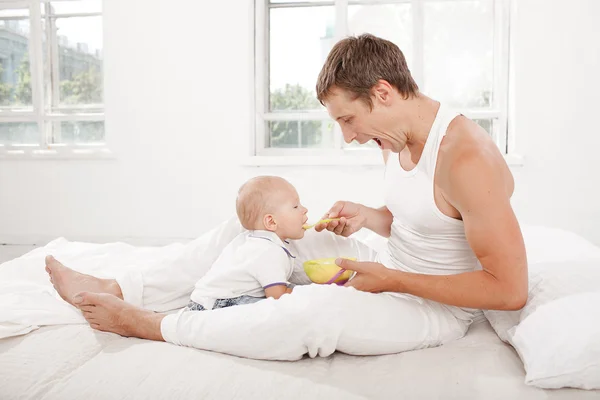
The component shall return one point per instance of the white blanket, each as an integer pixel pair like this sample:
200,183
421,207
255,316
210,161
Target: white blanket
28,299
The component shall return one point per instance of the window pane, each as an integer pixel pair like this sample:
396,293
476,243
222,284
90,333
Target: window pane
18,12
15,75
294,97
458,52
300,134
300,39
388,21
19,133
79,69
79,132
487,124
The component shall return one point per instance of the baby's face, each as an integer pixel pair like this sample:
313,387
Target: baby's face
290,215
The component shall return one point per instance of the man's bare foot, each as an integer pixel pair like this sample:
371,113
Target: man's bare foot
68,282
110,314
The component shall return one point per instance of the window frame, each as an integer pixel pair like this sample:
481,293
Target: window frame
46,109
262,155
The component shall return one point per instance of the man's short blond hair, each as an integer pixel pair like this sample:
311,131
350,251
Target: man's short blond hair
256,199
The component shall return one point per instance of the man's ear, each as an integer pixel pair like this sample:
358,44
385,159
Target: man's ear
269,222
382,91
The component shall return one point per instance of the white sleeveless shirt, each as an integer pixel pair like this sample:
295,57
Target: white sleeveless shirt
424,240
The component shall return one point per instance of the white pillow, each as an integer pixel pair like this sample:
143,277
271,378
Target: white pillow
552,281
559,343
548,247
545,244
554,348
548,282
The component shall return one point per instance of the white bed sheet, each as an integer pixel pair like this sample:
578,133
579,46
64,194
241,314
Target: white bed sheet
74,362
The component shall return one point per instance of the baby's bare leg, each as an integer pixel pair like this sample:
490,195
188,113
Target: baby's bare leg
68,282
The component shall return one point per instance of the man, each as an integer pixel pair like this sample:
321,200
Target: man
454,243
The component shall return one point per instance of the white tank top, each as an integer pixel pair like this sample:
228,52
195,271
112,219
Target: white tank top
423,239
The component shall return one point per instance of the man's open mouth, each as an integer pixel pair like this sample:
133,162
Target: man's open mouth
377,141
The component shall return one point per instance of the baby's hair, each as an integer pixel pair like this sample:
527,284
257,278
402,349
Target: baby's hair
255,199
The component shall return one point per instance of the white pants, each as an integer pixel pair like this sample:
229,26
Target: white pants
313,320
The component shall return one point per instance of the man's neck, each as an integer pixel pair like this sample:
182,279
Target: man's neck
423,111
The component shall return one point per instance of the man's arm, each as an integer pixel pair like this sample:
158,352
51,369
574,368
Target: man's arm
353,217
379,220
476,187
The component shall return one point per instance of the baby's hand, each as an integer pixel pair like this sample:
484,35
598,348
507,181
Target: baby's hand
350,220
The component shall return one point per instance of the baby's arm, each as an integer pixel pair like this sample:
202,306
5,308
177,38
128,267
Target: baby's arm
277,291
271,269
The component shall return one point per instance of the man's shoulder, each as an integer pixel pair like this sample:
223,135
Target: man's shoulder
469,157
467,147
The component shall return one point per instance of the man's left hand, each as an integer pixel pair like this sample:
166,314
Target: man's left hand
370,276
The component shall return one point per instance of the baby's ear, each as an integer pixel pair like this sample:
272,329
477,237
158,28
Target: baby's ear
269,222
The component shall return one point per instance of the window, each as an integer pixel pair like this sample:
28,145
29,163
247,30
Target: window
51,82
457,51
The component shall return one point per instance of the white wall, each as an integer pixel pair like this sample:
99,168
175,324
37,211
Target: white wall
178,90
557,83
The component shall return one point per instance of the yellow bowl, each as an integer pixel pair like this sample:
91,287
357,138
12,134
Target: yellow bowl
323,270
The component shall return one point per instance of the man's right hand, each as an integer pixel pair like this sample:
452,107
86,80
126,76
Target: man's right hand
351,219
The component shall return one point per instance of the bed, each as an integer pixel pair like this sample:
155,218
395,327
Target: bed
73,362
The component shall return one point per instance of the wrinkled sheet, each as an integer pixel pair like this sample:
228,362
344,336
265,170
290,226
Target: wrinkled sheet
74,362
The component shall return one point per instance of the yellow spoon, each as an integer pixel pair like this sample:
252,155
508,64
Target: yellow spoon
323,221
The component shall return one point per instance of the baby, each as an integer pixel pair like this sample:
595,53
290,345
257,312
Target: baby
256,264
